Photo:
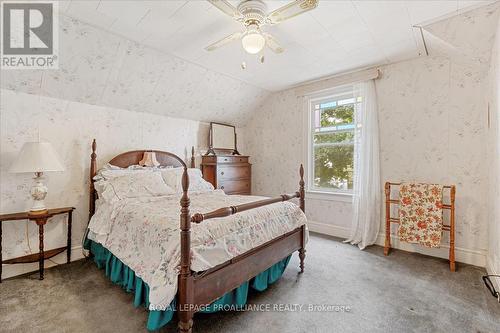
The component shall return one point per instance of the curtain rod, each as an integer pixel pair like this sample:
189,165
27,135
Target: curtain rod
337,80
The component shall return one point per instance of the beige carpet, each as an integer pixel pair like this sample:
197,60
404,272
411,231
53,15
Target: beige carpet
404,292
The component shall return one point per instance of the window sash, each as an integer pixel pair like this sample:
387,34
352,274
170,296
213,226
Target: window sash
334,129
333,144
312,185
314,130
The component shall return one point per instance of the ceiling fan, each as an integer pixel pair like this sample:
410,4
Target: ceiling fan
253,15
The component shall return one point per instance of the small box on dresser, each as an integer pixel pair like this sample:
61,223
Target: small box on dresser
230,173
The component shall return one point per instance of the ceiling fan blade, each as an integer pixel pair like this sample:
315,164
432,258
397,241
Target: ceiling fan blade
226,8
273,44
224,41
290,10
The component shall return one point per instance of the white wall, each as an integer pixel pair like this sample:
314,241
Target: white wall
70,127
493,260
117,91
433,128
100,68
432,118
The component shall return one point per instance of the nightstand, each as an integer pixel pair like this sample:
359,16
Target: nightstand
40,220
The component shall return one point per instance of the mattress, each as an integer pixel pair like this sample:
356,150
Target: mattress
144,234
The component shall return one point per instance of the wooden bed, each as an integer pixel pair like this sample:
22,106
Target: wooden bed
197,289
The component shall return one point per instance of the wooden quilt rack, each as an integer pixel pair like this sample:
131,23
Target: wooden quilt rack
450,227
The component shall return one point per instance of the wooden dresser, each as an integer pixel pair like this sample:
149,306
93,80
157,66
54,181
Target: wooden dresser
231,173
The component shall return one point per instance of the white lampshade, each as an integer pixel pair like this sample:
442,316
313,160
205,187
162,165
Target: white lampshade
36,157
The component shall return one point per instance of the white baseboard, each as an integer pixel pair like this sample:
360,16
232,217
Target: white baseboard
18,269
328,229
492,269
468,256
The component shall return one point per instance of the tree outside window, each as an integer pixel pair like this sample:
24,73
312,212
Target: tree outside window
333,131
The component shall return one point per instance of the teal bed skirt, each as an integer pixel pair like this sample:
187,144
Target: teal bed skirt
121,274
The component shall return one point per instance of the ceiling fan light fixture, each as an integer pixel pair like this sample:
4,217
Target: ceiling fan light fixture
253,42
253,14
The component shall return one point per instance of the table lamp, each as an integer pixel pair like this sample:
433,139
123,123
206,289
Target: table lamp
37,157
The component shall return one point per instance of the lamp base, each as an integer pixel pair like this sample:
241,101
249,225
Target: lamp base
38,212
38,193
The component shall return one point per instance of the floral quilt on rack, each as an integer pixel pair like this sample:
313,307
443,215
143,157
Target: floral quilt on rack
421,213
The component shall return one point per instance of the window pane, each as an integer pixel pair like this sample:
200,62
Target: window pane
342,137
328,105
339,115
333,167
346,101
317,118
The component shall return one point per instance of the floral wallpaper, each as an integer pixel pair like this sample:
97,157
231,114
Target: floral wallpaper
125,95
433,128
439,136
70,127
493,145
100,68
432,118
467,37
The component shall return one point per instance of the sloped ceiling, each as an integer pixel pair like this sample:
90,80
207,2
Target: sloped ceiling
468,37
337,36
101,68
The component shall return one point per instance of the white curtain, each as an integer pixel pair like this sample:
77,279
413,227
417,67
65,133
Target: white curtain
367,190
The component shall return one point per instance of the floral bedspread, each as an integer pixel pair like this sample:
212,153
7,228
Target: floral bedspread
144,234
421,213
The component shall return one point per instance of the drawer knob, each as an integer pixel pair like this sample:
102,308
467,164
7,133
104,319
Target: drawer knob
222,187
225,159
222,173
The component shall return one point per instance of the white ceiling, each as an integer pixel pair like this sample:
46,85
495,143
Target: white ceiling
337,36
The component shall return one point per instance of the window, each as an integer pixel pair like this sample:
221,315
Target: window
332,133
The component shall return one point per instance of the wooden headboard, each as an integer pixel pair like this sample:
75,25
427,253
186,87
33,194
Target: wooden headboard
129,158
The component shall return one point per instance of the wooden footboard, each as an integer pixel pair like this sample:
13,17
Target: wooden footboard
200,289
216,282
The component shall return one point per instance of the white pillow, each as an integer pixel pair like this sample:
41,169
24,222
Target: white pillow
173,178
110,171
100,187
136,184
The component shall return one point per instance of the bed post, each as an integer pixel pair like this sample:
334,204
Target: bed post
302,200
452,228
193,164
387,245
186,286
93,171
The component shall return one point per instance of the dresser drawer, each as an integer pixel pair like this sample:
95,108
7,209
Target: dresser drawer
233,172
232,186
232,159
